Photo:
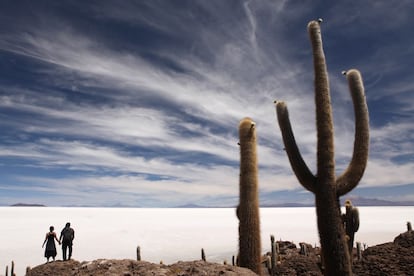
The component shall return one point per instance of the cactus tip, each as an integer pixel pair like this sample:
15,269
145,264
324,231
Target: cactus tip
280,104
320,20
253,124
344,72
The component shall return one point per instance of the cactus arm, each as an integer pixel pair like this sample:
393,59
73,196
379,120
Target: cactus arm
324,122
301,170
352,175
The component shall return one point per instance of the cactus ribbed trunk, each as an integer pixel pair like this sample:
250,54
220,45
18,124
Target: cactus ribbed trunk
332,235
248,209
325,185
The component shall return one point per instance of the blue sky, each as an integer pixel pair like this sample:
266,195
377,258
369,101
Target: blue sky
138,102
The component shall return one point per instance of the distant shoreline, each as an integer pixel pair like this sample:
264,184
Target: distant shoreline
205,207
356,200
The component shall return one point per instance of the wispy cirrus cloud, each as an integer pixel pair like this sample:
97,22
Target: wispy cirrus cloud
152,101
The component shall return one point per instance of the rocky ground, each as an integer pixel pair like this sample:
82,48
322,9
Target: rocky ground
132,267
393,258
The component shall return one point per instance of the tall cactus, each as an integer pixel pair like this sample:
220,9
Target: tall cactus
248,209
326,187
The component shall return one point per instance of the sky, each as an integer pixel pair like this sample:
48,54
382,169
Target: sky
137,103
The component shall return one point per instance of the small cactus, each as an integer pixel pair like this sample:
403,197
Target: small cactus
203,254
351,223
12,269
359,251
303,249
248,209
138,253
273,245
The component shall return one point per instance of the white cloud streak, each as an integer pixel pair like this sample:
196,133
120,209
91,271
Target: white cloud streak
243,76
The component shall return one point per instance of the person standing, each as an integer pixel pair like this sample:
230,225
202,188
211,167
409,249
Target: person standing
66,237
50,250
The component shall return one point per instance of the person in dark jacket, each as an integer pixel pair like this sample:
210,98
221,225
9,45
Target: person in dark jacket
50,250
66,237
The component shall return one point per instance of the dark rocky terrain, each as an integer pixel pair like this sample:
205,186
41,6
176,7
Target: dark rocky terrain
392,258
132,267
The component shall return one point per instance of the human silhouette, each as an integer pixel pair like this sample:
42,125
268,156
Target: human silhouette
50,250
66,237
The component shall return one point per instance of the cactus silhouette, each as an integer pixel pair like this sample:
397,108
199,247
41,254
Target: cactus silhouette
326,187
203,254
273,255
248,209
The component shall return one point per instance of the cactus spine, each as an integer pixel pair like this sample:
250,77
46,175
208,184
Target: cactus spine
326,187
248,209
